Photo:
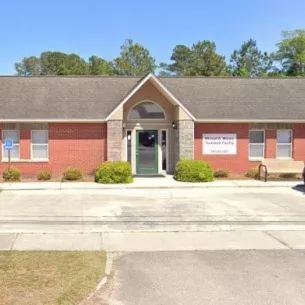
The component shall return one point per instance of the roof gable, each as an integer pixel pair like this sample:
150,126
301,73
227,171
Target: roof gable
160,86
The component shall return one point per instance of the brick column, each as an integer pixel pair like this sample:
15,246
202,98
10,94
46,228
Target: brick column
184,140
114,140
270,150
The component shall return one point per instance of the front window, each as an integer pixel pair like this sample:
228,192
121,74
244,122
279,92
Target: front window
15,136
284,144
40,149
256,144
146,110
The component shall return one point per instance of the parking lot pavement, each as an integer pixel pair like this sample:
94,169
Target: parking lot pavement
209,277
85,211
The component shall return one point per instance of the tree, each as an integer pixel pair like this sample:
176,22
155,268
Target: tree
291,52
181,58
28,66
199,60
58,63
249,61
76,65
99,66
205,61
54,63
134,60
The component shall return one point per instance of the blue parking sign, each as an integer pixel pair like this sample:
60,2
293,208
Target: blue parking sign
8,144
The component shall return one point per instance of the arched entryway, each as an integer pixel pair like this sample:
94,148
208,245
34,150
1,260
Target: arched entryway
148,125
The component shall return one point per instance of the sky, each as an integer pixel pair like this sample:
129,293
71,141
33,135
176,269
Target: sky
92,27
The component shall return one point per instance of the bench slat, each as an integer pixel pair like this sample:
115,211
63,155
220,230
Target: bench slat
283,166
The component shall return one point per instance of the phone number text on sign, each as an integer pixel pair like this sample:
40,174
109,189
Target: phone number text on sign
219,144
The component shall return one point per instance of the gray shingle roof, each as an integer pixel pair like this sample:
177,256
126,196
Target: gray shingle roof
61,97
241,98
206,98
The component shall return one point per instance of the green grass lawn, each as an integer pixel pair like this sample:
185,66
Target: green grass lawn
49,278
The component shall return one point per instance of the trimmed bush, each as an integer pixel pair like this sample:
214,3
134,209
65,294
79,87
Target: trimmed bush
114,172
221,173
288,176
11,174
72,174
193,171
44,175
252,173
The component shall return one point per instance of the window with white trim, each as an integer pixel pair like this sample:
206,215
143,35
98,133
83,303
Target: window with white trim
146,110
256,144
15,136
39,145
284,144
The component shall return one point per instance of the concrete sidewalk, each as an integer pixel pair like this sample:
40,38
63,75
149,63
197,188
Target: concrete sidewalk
160,210
145,183
157,241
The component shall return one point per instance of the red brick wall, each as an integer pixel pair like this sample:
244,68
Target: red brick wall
298,148
239,163
81,145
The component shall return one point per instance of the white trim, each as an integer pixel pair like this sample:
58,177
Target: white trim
2,137
146,119
172,96
167,149
47,145
52,120
126,144
257,144
25,161
282,144
247,121
140,84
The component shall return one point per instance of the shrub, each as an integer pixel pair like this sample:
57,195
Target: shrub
72,174
114,172
11,174
193,171
44,175
252,173
288,176
221,173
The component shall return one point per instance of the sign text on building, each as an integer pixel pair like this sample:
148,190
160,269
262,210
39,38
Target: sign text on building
219,144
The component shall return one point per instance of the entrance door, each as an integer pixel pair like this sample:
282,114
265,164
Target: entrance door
147,152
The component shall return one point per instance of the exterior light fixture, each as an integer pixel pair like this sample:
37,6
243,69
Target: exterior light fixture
123,125
174,124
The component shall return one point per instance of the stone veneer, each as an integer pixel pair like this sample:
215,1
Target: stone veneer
184,140
114,140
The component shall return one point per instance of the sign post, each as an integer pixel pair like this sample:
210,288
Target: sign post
8,146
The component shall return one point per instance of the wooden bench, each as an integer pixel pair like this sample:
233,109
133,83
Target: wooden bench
277,166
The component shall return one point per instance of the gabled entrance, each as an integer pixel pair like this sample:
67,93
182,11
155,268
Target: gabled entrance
155,129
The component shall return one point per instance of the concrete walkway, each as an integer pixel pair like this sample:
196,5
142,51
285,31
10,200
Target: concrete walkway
160,210
156,241
145,183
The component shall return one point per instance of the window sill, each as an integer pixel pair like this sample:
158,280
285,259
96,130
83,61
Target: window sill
256,159
26,160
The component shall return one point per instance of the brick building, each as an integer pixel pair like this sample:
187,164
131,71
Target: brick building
60,122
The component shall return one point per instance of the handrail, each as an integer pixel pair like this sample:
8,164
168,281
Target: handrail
259,172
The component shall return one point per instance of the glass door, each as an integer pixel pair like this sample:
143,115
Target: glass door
147,152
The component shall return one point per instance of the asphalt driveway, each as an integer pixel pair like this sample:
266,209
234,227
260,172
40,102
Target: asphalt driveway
209,277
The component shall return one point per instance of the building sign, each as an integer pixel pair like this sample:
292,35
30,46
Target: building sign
219,144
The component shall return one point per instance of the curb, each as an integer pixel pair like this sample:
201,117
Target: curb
150,187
